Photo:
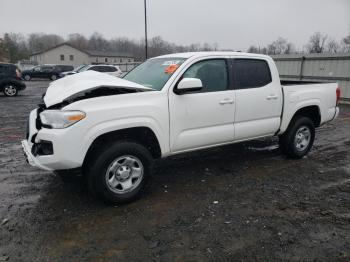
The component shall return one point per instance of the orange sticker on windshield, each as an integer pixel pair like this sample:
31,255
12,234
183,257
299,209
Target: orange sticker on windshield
171,69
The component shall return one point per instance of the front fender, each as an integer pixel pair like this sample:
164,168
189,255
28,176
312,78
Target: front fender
120,124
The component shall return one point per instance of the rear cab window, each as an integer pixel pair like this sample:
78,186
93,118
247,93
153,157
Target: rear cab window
3,69
250,73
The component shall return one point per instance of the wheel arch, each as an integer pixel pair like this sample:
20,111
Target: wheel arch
312,111
142,135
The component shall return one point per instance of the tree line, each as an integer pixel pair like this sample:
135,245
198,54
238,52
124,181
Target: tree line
15,47
318,43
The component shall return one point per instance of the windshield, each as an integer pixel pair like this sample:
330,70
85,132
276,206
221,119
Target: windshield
154,73
80,68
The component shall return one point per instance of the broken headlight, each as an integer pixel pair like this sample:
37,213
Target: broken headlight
60,119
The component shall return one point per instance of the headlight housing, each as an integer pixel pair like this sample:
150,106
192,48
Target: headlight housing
60,119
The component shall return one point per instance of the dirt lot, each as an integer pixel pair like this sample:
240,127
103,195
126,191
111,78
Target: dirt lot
239,202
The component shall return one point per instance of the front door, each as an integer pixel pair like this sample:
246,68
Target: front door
206,117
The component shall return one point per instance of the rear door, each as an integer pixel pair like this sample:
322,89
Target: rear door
204,118
3,74
3,71
36,71
258,98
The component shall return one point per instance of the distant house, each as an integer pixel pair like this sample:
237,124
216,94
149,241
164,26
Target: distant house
66,54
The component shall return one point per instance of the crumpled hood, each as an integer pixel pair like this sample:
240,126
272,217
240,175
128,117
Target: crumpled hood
68,86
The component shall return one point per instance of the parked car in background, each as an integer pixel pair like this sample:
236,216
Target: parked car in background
76,70
46,71
10,79
113,128
109,69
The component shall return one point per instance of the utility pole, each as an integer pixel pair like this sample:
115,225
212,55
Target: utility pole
146,43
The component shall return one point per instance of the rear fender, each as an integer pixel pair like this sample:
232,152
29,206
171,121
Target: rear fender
290,110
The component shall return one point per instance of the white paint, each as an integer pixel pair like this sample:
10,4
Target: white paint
180,122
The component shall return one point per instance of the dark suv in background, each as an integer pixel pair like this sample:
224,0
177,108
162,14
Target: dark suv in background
46,71
10,79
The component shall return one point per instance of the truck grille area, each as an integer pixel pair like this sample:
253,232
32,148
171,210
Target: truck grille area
43,148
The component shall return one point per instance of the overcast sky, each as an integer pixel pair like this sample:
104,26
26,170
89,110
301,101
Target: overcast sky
233,24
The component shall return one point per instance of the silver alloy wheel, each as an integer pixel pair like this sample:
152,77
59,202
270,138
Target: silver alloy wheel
10,90
302,138
53,77
124,174
27,77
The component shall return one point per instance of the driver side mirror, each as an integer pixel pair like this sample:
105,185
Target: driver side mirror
188,85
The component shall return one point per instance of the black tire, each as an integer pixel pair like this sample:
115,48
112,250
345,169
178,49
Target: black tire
53,77
10,90
96,171
288,141
27,77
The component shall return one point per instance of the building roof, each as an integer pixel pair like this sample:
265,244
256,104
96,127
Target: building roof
107,53
89,52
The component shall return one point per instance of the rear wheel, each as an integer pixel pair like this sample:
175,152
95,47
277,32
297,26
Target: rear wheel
27,77
297,141
118,173
10,90
53,77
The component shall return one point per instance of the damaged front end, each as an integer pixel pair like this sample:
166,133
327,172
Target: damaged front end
40,143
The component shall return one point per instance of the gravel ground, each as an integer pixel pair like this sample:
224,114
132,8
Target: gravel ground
238,202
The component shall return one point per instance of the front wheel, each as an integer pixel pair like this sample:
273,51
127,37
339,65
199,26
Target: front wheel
298,139
10,90
119,172
53,77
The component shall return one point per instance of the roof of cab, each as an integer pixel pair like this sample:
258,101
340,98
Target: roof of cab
211,53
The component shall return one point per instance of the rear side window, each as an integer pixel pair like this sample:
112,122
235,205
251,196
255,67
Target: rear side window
3,68
96,68
47,68
110,69
251,73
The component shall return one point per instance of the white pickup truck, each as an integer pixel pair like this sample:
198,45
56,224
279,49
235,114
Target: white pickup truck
112,129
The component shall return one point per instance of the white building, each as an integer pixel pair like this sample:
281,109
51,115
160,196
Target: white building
66,54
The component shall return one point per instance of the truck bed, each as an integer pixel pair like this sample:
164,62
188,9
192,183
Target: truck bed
299,82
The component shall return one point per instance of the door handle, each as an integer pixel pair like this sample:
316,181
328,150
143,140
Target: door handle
272,97
226,101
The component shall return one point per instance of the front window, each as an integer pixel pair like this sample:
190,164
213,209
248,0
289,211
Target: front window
154,73
212,73
37,69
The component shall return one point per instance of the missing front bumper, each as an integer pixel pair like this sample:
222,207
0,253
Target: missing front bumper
30,158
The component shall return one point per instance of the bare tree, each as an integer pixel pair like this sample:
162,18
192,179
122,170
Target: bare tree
317,43
346,43
78,40
332,46
253,49
38,41
98,42
3,52
15,46
290,49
